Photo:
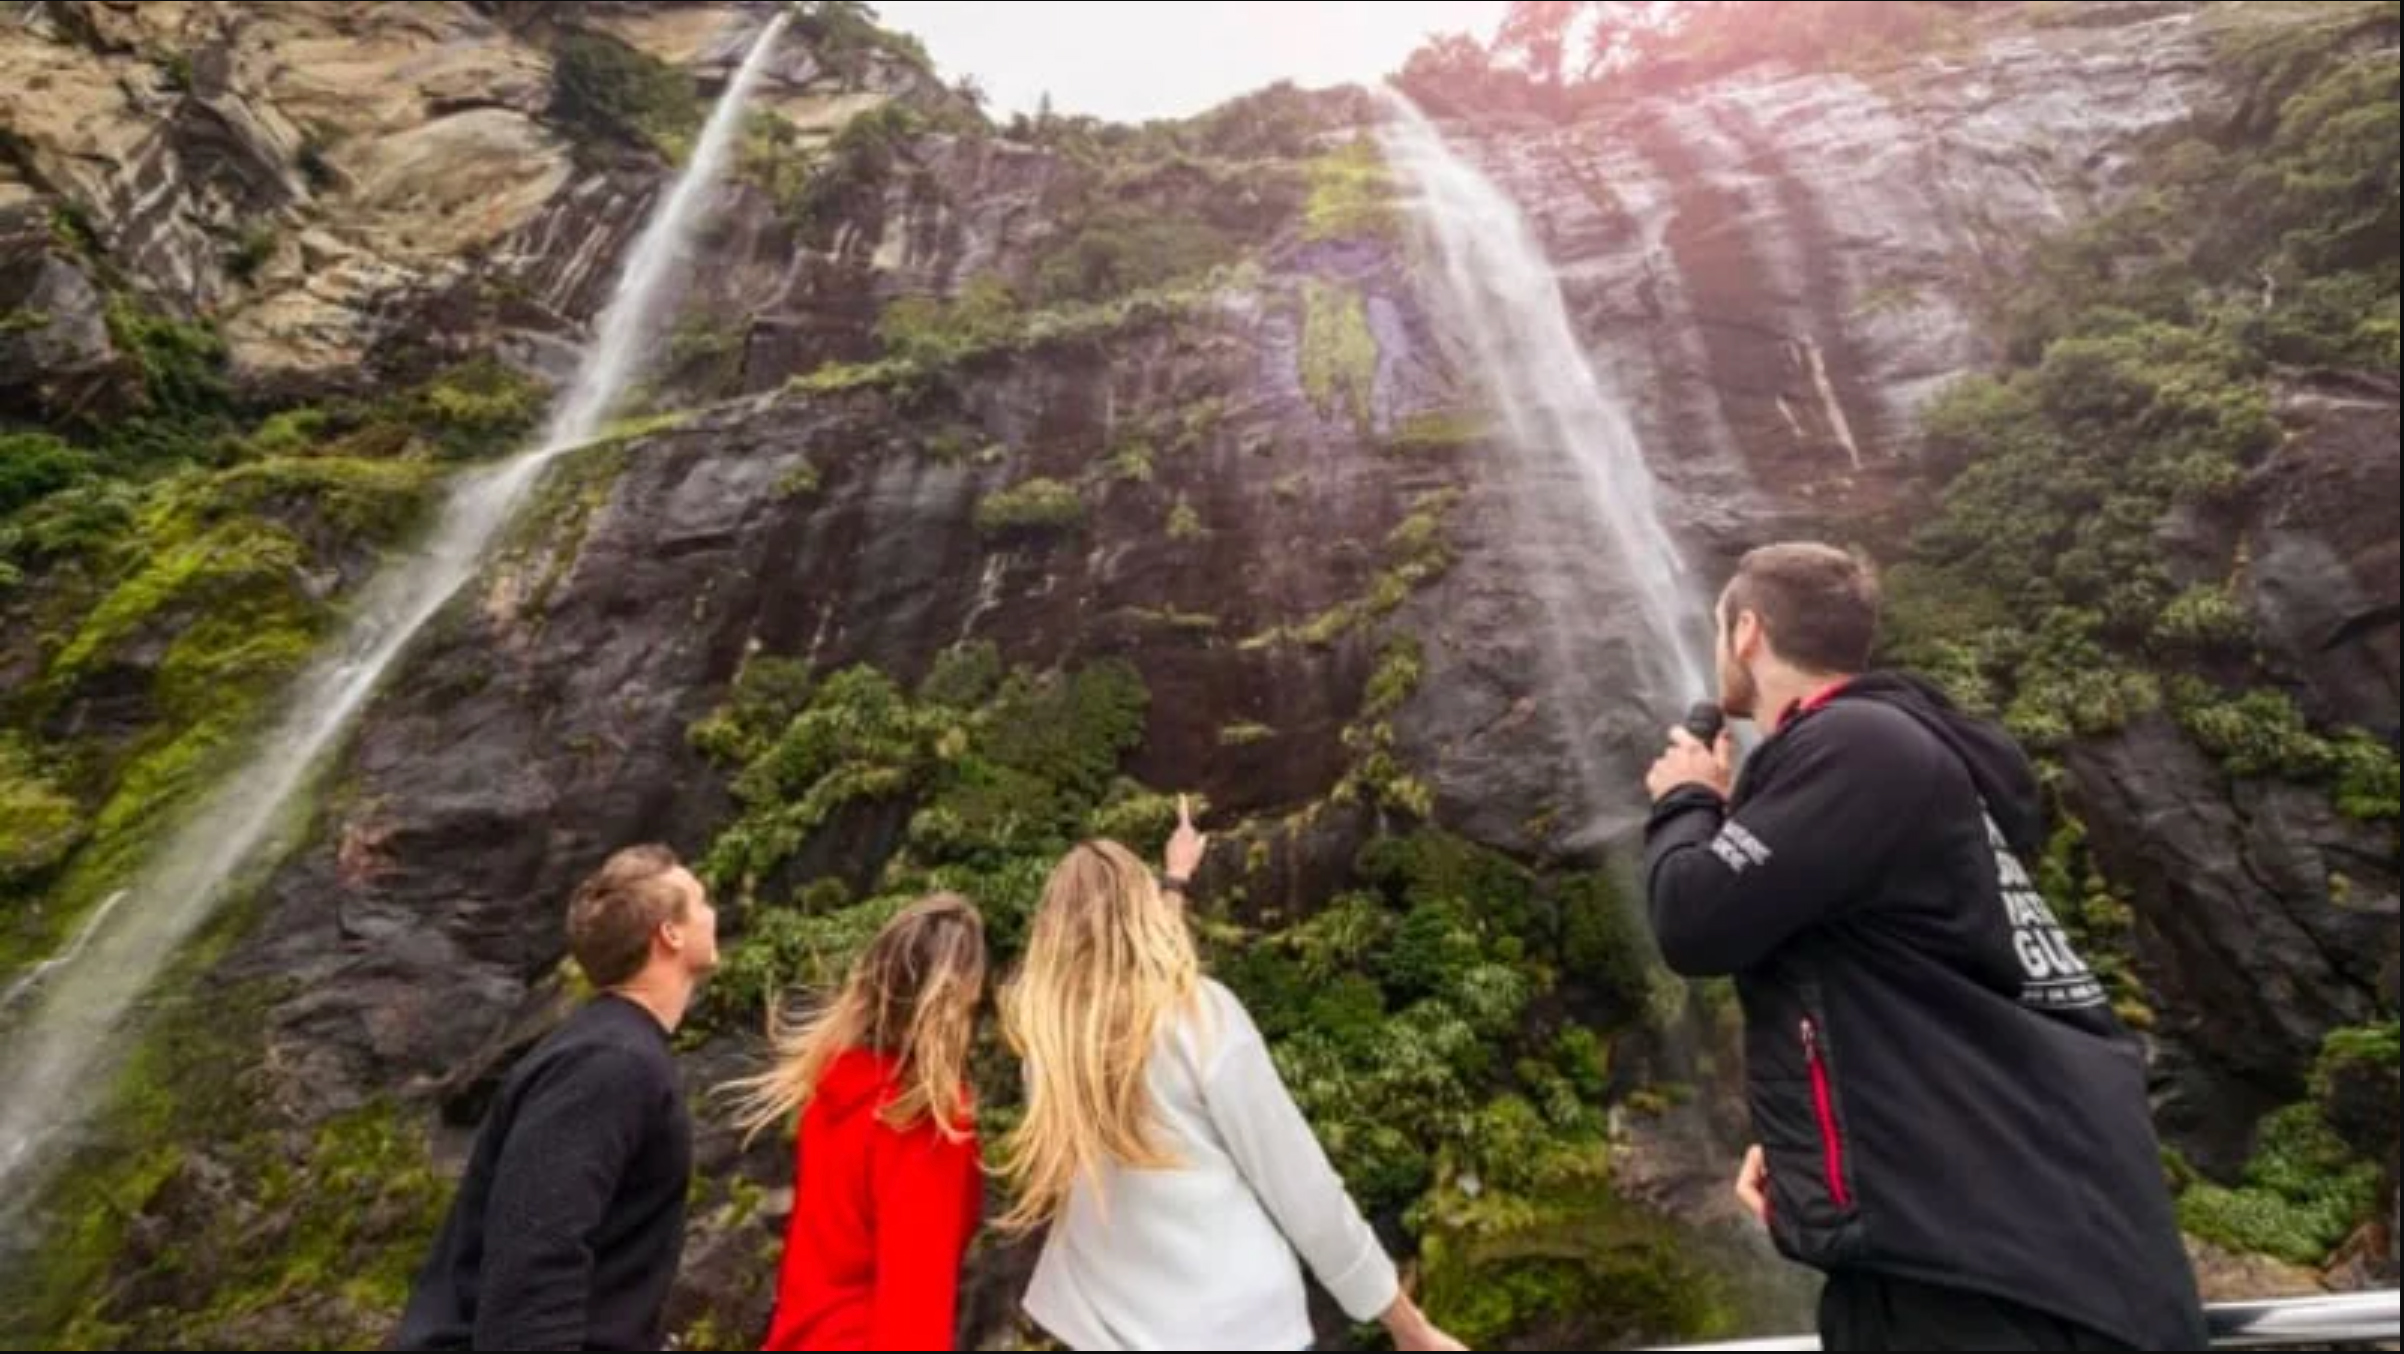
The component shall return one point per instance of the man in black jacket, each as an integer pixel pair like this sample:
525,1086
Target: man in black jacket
1953,1125
569,1226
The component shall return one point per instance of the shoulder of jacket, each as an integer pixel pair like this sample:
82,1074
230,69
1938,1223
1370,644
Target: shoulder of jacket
1214,1012
1215,1025
1847,723
1854,714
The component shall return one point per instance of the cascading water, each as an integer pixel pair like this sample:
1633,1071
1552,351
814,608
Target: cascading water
1501,292
62,1025
1590,528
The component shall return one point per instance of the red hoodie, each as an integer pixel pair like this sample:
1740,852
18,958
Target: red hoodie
882,1219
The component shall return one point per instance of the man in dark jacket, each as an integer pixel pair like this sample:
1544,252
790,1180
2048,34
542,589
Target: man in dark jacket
568,1228
1953,1125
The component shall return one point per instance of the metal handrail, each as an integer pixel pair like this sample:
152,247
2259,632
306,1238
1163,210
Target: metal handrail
2344,1319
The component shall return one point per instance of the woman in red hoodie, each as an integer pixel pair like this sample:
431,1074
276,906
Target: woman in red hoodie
888,1182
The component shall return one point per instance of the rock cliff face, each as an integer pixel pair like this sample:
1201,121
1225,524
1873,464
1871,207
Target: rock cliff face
1778,276
315,175
1776,272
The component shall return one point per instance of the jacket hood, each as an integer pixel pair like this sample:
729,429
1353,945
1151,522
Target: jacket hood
2002,772
857,1081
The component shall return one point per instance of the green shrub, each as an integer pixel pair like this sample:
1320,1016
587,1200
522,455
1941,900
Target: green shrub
2258,733
860,163
2143,343
1344,937
997,773
784,952
1136,818
1034,506
935,332
188,398
2355,1084
39,824
1185,524
1439,432
964,677
1129,246
252,252
1132,463
844,32
767,694
2304,1193
34,466
858,739
1434,942
2205,618
2369,784
1351,195
605,87
1339,353
1070,731
1605,946
1568,1261
480,409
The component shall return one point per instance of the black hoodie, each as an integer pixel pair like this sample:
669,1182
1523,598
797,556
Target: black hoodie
1937,1079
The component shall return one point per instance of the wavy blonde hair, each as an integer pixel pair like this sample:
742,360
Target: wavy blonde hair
1110,961
913,997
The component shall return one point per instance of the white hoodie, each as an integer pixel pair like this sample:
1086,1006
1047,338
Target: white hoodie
1203,1256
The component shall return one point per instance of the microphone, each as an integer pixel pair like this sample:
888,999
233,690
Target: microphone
1706,721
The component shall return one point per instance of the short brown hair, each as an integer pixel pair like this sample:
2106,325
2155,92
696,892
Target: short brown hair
1818,604
614,913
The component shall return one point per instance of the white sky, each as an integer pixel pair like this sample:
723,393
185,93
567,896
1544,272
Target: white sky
1172,58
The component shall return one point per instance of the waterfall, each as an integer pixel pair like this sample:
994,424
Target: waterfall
1563,421
59,1055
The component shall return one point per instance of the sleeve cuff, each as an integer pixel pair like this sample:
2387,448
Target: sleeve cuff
1682,801
1369,1288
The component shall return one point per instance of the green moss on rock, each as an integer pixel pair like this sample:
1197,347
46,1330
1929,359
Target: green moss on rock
1033,507
2303,1194
603,86
1566,1264
39,824
1351,195
1339,352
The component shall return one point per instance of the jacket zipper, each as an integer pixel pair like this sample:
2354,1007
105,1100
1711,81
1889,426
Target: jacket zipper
1823,1103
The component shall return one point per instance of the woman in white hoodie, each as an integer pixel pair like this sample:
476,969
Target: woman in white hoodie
1177,1176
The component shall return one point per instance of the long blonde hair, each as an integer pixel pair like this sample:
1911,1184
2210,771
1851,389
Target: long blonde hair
913,997
1109,961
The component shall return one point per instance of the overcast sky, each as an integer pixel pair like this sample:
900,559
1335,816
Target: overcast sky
1168,58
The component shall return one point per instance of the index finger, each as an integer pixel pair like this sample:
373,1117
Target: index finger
1185,812
1680,737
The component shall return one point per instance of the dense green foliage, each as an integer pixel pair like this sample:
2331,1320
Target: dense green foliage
34,466
210,602
2147,343
998,773
2304,1193
1339,351
1352,195
937,340
2144,352
603,87
1432,983
178,559
1126,246
38,824
847,35
180,554
1037,505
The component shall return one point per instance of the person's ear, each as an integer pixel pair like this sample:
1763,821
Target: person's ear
1750,637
